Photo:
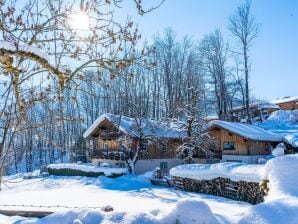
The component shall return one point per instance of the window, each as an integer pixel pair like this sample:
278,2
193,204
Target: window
106,146
229,146
145,146
163,165
164,147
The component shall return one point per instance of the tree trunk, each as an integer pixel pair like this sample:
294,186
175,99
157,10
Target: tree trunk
246,84
1,172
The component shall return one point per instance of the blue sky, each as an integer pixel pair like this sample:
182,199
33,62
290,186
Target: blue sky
274,56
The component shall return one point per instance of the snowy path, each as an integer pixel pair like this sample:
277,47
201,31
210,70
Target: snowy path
131,194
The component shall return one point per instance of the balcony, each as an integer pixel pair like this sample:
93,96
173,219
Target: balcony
112,155
109,135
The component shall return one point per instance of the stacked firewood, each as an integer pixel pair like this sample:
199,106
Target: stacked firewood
241,190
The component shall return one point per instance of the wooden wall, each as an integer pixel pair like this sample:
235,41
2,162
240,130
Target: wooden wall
288,105
242,145
155,151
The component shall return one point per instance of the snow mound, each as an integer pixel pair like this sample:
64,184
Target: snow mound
280,116
282,174
277,211
232,170
89,168
279,150
192,211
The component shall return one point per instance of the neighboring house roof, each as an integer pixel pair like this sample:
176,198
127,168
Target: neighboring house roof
292,140
129,126
284,99
247,131
257,105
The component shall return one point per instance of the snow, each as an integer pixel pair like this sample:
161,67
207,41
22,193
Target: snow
128,126
279,150
284,123
292,139
284,99
252,132
6,45
27,48
282,173
35,50
31,49
232,170
133,199
108,171
273,212
190,211
281,204
266,105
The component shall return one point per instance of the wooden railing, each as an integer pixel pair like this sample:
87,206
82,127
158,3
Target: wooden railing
113,155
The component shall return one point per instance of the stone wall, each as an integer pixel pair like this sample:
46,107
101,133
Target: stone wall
240,191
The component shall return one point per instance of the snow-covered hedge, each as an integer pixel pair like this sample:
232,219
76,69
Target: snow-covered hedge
70,169
231,170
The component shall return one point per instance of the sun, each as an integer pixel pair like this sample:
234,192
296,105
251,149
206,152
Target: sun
79,21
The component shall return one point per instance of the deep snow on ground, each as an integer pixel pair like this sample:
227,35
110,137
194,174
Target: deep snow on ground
133,198
136,201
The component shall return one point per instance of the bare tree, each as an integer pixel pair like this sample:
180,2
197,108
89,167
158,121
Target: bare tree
46,47
243,26
213,56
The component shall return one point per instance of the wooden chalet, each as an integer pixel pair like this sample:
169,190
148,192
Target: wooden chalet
287,103
258,111
108,129
242,142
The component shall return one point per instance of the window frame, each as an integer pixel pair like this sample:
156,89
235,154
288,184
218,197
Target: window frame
106,144
230,143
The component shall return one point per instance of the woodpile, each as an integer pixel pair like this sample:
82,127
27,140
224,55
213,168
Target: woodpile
250,192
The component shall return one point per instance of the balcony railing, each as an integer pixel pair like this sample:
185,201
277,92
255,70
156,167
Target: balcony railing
113,155
109,135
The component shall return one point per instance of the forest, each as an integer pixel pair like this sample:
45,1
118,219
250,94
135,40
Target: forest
53,87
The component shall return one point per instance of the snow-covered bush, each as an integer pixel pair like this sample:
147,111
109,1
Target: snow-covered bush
262,161
279,150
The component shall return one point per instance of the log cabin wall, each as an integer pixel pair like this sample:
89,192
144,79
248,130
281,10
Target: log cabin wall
113,145
259,148
242,145
288,105
154,150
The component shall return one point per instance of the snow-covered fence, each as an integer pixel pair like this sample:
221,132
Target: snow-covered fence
69,169
231,180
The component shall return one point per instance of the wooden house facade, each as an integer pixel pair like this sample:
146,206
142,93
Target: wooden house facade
258,111
242,142
109,130
287,103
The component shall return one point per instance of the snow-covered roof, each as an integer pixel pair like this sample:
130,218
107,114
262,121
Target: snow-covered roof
264,105
247,131
292,140
129,126
284,99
